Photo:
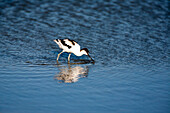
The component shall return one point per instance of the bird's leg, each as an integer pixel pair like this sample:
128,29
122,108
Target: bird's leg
59,55
69,57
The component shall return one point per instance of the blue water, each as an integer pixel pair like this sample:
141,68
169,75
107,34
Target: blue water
129,41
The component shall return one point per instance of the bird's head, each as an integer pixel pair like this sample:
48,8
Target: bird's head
85,51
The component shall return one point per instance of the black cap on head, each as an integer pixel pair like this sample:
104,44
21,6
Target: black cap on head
87,51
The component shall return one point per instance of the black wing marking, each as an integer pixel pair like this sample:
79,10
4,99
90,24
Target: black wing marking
63,42
72,41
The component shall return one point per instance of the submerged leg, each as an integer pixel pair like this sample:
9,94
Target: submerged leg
59,55
69,57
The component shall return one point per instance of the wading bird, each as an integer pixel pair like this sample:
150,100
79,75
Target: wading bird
71,46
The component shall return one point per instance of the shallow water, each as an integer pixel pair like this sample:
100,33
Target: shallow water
129,41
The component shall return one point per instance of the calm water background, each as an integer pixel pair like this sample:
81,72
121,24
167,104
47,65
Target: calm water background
128,39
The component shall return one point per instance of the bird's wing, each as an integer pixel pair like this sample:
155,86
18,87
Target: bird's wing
72,43
69,42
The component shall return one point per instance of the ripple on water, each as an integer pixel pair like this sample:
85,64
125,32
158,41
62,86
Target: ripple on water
128,40
113,33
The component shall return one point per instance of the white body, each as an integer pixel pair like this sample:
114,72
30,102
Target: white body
75,48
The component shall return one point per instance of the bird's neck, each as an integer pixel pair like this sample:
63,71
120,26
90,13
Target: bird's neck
80,53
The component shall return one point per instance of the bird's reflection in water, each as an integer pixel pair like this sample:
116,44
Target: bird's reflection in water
71,73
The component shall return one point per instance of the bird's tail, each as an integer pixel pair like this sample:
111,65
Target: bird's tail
56,40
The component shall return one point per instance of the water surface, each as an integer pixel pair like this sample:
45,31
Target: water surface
129,41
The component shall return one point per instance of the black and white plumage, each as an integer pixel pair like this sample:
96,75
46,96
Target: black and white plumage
71,46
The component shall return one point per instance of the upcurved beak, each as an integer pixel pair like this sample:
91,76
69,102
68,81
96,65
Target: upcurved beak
90,58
